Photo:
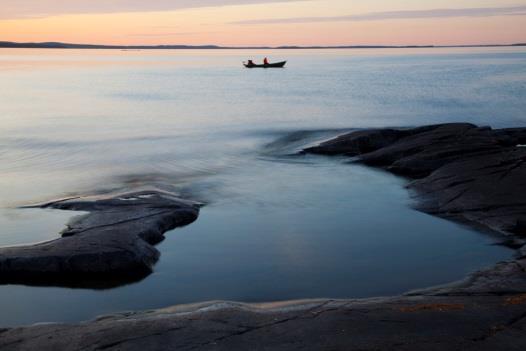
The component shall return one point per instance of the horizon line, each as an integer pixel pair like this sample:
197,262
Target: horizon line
64,45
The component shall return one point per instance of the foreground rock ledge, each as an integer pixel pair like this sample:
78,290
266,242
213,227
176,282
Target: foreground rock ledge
407,323
109,246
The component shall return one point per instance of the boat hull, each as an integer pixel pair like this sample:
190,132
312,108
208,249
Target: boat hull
270,65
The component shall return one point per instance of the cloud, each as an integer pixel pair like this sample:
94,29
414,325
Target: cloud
415,14
172,34
12,9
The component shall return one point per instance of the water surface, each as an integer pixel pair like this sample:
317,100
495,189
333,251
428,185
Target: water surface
195,122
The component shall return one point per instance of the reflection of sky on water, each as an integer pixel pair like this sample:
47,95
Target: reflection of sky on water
197,123
275,231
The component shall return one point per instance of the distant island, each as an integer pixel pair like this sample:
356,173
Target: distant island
59,45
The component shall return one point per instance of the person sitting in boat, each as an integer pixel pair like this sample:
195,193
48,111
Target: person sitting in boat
265,61
250,63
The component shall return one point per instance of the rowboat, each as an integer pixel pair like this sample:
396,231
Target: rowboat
269,65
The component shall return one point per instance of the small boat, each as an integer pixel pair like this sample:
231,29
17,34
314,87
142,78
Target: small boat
268,65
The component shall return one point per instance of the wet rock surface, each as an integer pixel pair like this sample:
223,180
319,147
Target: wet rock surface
406,323
110,245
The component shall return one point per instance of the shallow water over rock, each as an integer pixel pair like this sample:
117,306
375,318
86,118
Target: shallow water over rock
276,230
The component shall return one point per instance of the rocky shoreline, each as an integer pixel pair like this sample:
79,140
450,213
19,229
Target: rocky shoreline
460,171
399,323
111,245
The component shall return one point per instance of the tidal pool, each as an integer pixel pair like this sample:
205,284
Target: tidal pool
282,228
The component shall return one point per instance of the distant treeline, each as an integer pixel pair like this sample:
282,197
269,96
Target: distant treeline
58,45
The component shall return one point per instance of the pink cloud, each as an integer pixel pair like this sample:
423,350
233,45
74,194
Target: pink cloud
11,9
412,14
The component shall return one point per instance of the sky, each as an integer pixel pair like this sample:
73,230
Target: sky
265,22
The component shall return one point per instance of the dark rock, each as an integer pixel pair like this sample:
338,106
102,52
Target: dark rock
520,227
511,136
420,154
505,278
367,141
476,323
463,172
357,143
487,189
112,243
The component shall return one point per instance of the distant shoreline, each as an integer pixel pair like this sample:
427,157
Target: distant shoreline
59,45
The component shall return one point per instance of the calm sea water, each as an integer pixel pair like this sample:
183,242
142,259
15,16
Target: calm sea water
197,123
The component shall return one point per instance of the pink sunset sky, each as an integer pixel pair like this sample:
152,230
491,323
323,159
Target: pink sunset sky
260,22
